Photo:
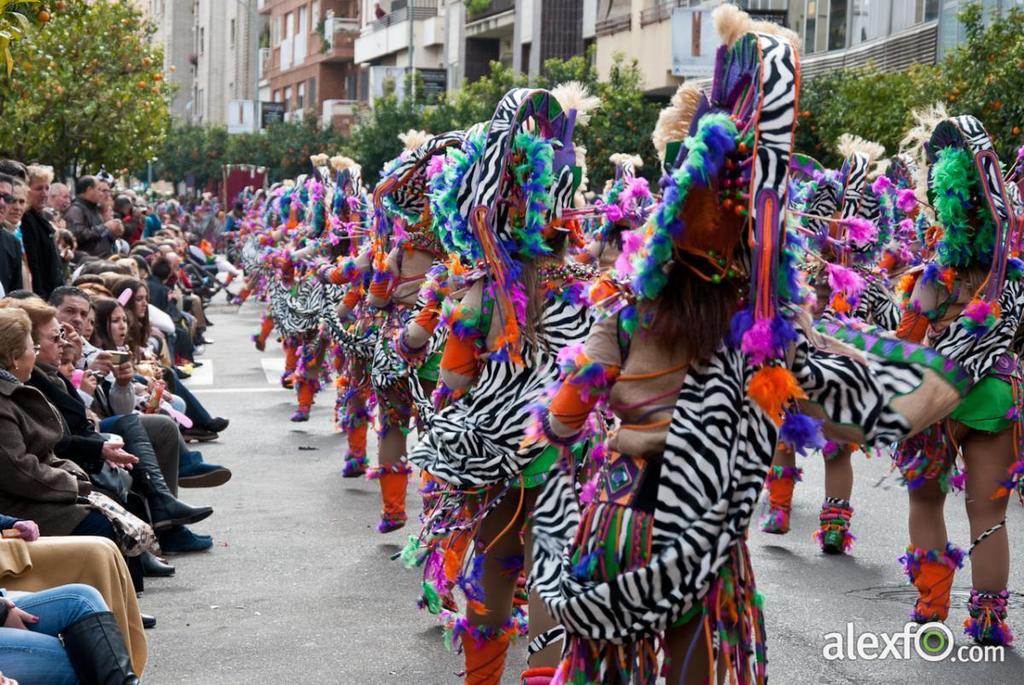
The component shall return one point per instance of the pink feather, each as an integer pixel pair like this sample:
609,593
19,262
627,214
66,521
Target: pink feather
757,342
844,280
860,231
881,184
906,201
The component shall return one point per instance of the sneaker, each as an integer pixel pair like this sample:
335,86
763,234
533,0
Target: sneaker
180,540
301,414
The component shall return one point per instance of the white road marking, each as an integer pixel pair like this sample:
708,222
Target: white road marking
222,391
273,367
202,375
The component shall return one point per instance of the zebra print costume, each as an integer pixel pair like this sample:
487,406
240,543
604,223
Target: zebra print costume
475,441
719,443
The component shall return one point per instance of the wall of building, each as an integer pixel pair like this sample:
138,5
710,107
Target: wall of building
173,21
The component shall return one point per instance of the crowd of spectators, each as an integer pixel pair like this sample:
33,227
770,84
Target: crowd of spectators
103,300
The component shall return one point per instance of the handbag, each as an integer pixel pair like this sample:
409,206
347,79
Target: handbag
111,481
134,536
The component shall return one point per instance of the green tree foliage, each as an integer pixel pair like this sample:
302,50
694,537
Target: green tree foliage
86,91
16,20
623,122
872,104
375,138
199,153
984,76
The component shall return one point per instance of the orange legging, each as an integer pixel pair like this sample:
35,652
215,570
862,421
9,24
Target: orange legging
266,326
291,358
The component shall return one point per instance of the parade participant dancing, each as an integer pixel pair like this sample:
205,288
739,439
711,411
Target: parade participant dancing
501,352
968,303
710,361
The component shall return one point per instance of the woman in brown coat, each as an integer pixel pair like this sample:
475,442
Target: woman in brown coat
34,483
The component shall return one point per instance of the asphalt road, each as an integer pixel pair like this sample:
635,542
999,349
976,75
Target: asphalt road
299,587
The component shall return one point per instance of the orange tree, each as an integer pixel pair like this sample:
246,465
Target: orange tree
984,76
86,92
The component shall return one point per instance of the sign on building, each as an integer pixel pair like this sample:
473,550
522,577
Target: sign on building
271,112
694,43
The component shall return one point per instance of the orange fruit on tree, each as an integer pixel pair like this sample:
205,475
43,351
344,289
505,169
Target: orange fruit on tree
42,16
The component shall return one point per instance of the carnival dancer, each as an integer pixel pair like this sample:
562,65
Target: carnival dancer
622,208
708,359
353,334
838,215
501,352
392,270
968,301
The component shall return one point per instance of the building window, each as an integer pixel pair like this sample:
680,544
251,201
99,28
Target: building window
311,92
202,39
275,31
315,12
289,20
837,25
277,96
300,96
288,98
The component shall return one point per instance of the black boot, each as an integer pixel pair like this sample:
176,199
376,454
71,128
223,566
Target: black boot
165,510
97,651
154,567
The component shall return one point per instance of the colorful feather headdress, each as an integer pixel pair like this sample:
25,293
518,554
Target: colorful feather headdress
971,202
722,207
517,197
400,198
626,201
451,193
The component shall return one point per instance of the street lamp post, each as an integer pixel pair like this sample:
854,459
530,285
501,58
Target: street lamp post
149,171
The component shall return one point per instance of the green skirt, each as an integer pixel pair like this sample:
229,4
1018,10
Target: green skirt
430,370
986,406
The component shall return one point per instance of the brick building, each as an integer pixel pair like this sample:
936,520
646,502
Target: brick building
306,61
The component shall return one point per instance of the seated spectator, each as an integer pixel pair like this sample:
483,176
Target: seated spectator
31,564
34,483
96,453
180,465
124,328
63,635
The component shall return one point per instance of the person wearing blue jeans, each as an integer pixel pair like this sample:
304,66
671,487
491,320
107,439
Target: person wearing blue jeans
33,625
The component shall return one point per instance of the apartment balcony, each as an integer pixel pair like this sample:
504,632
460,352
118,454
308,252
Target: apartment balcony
610,25
340,34
401,10
341,114
494,7
494,21
390,33
663,10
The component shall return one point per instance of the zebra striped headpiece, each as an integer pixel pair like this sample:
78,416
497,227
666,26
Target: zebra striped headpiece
971,201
